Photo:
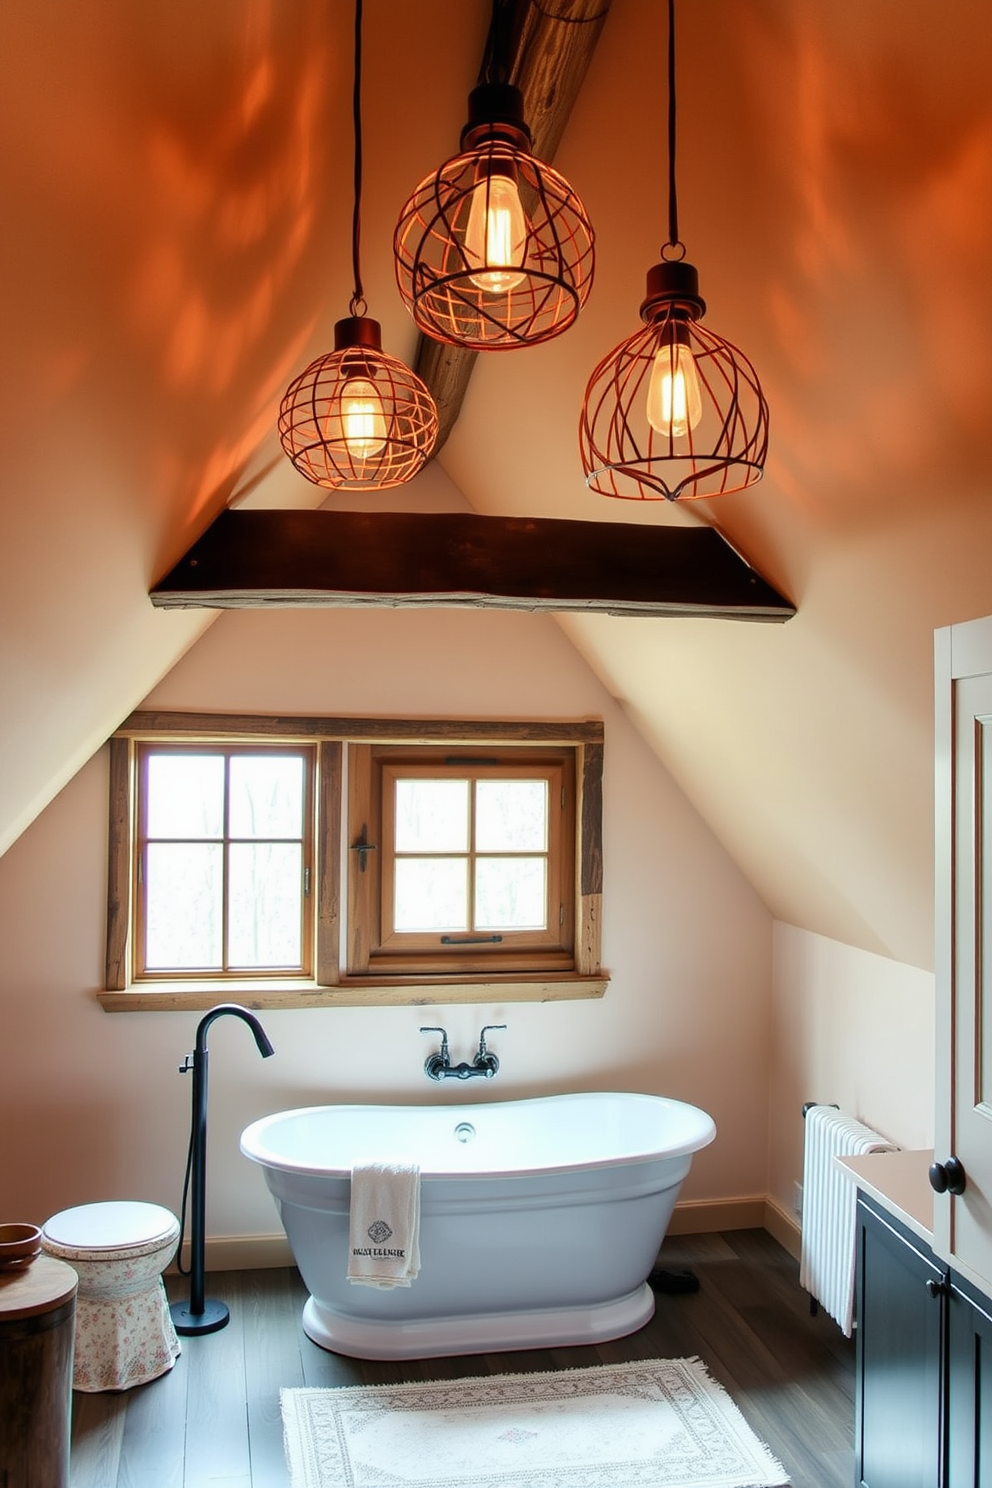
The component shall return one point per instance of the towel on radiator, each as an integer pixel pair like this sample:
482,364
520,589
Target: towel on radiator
384,1229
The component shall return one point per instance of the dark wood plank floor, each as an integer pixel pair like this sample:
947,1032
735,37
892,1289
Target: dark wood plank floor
214,1420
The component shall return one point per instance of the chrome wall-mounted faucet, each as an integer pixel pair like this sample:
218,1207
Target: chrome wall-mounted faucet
439,1066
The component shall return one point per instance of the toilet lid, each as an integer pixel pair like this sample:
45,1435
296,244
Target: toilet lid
110,1226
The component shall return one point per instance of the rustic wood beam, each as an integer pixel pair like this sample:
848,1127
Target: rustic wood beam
551,53
254,559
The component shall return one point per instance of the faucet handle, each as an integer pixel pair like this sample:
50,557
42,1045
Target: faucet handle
489,1028
444,1040
436,1066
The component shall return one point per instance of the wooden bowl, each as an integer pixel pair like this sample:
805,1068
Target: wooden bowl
19,1243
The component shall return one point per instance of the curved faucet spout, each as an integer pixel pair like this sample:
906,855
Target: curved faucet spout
261,1039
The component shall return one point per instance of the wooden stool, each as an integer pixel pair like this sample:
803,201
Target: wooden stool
37,1318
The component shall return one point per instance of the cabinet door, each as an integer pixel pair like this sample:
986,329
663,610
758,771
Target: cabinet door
969,1393
898,1401
963,1225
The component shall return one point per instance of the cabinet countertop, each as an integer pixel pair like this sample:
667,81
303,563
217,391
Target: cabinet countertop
899,1182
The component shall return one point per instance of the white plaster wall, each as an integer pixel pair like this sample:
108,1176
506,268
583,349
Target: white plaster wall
92,1104
851,1028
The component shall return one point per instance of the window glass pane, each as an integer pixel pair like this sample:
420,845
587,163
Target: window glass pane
511,815
432,815
183,905
185,795
266,795
431,894
510,894
264,924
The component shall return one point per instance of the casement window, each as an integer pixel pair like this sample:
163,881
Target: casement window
461,860
320,862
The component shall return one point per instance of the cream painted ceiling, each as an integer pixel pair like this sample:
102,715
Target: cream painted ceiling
175,185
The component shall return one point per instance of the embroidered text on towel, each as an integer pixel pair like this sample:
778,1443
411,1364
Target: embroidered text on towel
385,1206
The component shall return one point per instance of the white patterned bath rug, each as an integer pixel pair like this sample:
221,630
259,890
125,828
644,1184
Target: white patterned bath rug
659,1423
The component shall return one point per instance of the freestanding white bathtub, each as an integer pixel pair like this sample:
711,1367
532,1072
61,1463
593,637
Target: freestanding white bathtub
540,1219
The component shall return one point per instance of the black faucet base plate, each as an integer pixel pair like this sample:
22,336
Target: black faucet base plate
214,1316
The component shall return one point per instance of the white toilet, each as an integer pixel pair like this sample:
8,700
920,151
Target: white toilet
124,1331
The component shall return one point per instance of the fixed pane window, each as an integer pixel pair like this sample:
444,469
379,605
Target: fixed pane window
223,859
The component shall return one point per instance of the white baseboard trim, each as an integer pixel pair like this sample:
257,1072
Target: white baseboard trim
695,1217
783,1227
703,1216
242,1253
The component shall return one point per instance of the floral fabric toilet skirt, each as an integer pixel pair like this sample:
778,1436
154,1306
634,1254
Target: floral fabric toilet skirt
124,1330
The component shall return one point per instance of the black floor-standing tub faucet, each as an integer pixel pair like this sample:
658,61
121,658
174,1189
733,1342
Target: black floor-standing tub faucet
200,1314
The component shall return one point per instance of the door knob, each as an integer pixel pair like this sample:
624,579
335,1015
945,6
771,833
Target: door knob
936,1288
948,1177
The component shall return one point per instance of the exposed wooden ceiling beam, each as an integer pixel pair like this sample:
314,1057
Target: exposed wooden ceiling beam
280,558
551,54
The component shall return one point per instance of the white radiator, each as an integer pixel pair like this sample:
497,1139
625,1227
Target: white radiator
826,1267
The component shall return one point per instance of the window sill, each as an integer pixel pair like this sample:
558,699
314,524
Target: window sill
171,997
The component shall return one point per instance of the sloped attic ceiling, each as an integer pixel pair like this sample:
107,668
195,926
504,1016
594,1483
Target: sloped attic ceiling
176,189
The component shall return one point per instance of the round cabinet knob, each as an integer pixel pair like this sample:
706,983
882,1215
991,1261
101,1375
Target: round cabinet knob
948,1177
935,1288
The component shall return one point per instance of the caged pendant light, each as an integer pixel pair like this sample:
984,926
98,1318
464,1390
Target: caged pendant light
494,250
358,419
674,412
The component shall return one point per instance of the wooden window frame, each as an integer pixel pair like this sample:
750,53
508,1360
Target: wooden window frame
372,949
333,984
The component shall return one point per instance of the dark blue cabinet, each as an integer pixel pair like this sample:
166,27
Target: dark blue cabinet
923,1398
900,1356
969,1387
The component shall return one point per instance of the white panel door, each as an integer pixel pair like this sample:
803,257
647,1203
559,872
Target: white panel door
963,1221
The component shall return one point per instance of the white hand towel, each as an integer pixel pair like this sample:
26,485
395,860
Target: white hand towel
384,1237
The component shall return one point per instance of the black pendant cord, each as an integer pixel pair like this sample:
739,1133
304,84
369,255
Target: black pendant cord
673,200
495,61
358,305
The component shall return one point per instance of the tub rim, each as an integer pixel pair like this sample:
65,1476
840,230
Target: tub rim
705,1133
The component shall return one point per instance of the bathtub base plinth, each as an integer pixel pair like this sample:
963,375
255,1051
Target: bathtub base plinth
494,1332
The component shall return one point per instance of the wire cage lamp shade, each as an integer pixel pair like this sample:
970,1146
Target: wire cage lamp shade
494,250
358,419
675,412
